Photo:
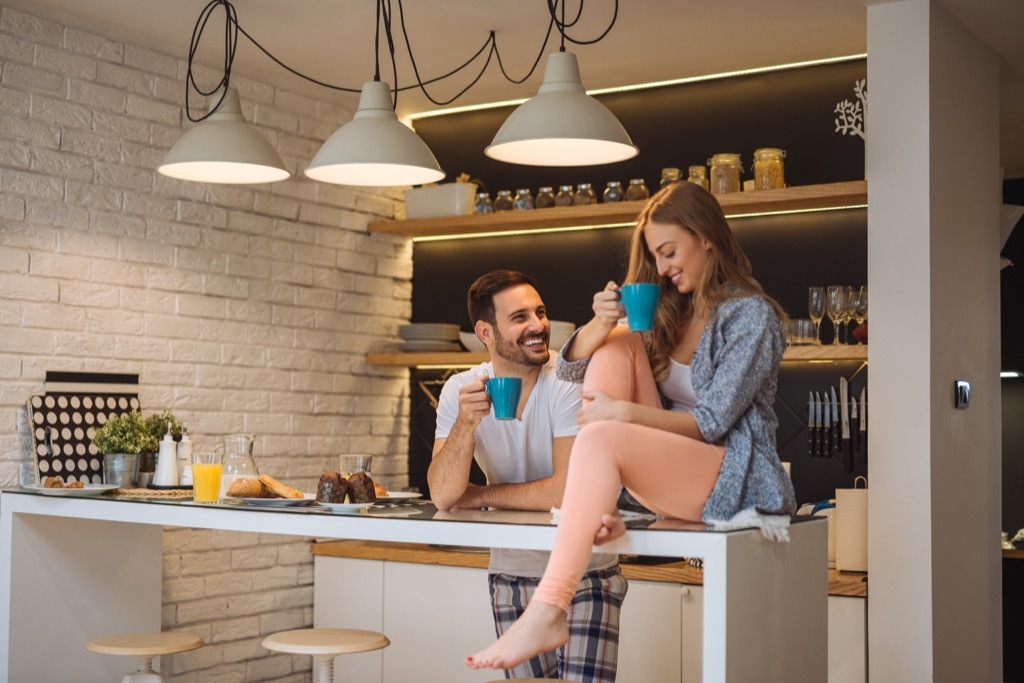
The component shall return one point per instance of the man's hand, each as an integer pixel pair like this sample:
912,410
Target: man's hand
612,527
474,403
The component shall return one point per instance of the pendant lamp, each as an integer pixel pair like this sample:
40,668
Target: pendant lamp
561,125
224,148
375,148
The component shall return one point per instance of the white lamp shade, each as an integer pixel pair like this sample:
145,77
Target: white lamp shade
375,148
224,148
561,125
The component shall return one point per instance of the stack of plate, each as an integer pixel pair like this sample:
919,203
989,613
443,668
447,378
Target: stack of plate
420,337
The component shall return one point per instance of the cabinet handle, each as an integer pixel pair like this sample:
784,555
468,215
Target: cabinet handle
684,590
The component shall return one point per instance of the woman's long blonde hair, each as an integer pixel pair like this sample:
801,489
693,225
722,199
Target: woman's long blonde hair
727,272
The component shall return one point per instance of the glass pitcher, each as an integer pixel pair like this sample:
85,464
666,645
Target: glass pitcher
238,461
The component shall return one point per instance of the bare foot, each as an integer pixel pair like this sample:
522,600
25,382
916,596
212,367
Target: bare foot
541,628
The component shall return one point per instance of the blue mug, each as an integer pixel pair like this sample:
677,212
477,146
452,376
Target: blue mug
504,393
641,301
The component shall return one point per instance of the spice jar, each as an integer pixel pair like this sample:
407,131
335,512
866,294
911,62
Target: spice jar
564,196
523,200
483,203
613,192
545,198
584,195
669,176
637,190
503,202
725,173
768,168
698,176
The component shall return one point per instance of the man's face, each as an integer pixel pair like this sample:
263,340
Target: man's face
522,330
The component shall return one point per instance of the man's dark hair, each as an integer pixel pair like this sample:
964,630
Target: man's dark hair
480,299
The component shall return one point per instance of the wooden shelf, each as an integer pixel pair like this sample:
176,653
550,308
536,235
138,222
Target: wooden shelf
825,352
833,195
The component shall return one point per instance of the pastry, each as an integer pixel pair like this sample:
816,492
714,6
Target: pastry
332,488
53,483
280,490
380,490
360,488
248,488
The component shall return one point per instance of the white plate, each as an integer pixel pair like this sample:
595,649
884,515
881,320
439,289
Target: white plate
395,496
278,502
429,332
89,490
421,346
344,507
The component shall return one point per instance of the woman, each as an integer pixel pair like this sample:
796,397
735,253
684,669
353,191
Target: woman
712,360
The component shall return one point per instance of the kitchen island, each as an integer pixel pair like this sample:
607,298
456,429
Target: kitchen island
74,567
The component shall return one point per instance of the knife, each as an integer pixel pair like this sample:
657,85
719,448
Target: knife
835,422
845,456
826,432
854,434
812,428
819,449
862,444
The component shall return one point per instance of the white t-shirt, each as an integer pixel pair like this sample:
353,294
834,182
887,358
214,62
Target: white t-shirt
517,451
678,387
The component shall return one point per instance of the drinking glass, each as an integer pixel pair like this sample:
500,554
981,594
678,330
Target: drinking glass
860,309
835,306
816,309
847,312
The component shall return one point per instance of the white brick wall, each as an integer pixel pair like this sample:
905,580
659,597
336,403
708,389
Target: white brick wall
241,308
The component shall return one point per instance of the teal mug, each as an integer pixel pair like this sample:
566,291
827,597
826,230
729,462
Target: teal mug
504,393
641,301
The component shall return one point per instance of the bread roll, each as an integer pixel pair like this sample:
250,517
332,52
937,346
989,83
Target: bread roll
332,488
248,488
379,490
280,490
360,488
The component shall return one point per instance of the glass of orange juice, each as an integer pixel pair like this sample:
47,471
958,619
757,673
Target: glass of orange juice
206,470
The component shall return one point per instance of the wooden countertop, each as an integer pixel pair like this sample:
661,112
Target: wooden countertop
839,583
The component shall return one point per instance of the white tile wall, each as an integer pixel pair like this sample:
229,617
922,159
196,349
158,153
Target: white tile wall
241,308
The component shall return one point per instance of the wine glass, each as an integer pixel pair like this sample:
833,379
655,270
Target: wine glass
860,310
847,312
835,306
816,309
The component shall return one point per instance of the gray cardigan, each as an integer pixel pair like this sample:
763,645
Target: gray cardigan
735,375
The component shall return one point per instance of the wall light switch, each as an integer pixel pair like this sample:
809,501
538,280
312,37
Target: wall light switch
961,394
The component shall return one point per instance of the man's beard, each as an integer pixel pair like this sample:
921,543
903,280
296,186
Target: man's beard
514,353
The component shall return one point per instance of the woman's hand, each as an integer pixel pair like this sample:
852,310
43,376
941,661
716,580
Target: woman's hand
612,527
600,407
608,311
608,305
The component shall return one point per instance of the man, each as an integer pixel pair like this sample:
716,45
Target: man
525,461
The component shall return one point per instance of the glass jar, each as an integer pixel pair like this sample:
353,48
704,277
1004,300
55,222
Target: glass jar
523,200
564,196
613,192
698,176
503,202
637,190
669,176
483,203
768,168
584,195
545,198
237,462
725,173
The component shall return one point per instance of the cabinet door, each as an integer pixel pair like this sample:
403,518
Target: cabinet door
650,633
846,640
435,616
349,594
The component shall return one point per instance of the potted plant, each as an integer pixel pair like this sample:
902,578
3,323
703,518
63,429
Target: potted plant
125,441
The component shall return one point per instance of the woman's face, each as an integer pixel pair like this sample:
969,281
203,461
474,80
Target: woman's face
679,255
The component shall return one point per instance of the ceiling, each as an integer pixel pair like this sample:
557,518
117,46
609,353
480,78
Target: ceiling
332,41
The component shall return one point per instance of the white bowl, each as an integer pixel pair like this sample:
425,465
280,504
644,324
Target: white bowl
472,342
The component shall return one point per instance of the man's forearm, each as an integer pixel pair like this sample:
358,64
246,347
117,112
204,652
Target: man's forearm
542,494
448,474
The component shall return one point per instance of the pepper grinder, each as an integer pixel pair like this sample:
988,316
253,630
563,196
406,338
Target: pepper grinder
166,475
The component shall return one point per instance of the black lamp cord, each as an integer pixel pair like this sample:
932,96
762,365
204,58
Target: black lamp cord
384,18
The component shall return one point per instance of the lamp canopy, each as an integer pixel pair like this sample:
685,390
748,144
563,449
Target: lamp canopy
561,125
224,148
375,148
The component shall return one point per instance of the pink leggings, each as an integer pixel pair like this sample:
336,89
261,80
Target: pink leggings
670,474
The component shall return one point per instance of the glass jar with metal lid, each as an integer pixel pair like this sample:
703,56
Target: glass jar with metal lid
670,175
483,203
564,196
503,202
584,195
524,199
545,198
637,190
725,173
768,168
613,192
698,176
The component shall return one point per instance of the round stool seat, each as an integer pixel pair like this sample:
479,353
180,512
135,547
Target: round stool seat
152,644
325,641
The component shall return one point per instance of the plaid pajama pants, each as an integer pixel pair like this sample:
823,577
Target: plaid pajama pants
592,653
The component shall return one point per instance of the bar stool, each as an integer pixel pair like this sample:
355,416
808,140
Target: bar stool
144,647
325,644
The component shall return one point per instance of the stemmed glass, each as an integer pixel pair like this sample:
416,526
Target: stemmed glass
847,312
816,309
835,306
860,307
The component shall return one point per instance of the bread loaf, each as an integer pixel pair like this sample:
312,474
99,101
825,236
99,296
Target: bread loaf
248,488
280,490
332,488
